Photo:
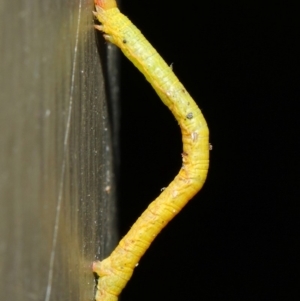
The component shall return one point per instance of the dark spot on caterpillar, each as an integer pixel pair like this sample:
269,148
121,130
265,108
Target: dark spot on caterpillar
189,115
183,91
124,41
184,154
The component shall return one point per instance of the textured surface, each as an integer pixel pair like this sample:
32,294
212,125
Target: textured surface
56,178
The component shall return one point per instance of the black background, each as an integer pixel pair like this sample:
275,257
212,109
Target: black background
238,238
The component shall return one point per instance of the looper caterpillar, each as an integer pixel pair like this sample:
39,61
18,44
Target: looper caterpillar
115,271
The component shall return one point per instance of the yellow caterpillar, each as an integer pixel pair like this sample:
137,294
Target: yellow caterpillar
115,271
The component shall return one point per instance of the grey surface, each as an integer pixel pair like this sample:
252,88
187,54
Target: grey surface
56,178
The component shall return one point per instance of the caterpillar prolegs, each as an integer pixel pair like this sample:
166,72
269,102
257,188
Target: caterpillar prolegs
115,271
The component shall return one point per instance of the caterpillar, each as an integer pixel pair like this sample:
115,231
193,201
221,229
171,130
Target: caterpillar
115,271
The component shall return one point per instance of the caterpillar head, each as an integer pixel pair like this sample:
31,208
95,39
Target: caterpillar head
106,4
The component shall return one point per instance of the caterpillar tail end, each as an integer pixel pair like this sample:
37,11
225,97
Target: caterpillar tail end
96,267
105,4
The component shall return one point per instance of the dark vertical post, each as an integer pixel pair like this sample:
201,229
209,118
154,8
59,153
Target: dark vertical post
57,196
